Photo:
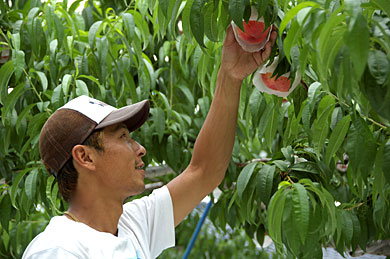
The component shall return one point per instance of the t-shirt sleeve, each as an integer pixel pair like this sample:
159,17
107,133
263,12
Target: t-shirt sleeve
56,252
151,220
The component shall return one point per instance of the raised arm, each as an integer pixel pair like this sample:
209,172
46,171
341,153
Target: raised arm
214,144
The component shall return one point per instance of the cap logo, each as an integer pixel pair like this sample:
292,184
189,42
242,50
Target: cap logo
98,103
92,108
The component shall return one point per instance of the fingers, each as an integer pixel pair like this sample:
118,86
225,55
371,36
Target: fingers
274,34
266,51
229,38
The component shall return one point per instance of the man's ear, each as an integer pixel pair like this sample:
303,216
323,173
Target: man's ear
83,156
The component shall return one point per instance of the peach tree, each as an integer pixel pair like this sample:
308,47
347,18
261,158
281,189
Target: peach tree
309,170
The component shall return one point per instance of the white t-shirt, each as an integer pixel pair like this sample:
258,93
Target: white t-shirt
145,229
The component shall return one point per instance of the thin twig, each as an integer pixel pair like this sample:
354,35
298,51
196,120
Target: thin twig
291,181
262,160
356,206
171,78
33,86
364,116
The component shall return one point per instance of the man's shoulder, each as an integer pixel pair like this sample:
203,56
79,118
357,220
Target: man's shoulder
140,210
157,195
64,238
56,238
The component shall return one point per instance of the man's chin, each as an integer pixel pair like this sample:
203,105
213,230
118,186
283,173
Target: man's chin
138,190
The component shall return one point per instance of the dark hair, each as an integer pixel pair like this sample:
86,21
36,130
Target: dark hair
68,175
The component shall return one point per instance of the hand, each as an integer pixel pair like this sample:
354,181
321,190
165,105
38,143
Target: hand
239,64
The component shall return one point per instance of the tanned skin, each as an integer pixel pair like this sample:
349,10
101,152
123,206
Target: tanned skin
108,177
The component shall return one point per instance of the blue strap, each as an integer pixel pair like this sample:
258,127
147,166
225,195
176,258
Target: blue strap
197,230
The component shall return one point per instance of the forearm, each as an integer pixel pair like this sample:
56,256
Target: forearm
214,145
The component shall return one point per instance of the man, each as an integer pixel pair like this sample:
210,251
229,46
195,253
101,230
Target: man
87,145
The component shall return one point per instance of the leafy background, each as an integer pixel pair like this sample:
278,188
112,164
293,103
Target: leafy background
309,171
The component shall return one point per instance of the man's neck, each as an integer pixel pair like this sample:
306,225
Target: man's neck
100,214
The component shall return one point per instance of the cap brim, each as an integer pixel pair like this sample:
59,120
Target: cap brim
133,116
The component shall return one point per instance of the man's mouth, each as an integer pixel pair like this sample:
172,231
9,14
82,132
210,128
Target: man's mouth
140,166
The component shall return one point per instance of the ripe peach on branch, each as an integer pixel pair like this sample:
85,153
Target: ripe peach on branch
280,86
255,35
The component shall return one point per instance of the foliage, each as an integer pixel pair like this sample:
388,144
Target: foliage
328,143
212,242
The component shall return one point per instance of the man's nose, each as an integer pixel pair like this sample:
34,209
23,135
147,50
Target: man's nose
139,149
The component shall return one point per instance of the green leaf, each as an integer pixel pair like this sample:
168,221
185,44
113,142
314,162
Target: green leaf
293,12
256,103
159,122
25,112
378,65
320,126
51,193
204,104
129,81
383,5
30,20
271,128
260,234
347,227
60,30
337,138
173,151
244,178
16,40
95,29
379,182
236,10
11,100
164,100
6,72
357,40
30,185
164,4
43,79
210,22
56,96
309,167
197,21
378,95
353,8
186,19
264,180
187,93
66,81
282,165
292,38
129,23
330,42
5,211
174,10
314,90
81,88
74,6
142,25
288,153
301,210
15,186
18,59
356,231
361,147
274,217
386,161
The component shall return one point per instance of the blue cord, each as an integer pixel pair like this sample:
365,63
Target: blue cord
197,230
